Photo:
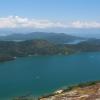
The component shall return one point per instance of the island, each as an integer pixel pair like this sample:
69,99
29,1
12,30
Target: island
9,50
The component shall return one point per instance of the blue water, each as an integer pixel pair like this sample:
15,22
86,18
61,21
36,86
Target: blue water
75,42
44,74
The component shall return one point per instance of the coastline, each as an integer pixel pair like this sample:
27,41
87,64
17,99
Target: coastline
81,90
75,92
11,58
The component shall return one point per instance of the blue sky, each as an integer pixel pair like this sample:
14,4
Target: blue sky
52,15
87,10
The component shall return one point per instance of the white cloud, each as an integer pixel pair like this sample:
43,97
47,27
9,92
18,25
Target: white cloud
85,24
22,22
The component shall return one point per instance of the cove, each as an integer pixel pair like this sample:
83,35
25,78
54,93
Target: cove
41,75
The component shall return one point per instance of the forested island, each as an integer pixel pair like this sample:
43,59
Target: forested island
9,50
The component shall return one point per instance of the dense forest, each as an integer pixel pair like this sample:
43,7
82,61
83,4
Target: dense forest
90,45
9,50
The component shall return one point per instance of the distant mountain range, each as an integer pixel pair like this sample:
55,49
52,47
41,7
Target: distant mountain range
59,38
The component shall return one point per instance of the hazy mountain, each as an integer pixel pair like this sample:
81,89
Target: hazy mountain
51,37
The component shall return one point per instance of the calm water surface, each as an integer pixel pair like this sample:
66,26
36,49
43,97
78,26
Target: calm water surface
44,74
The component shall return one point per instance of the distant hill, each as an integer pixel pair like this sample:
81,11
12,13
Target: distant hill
86,46
10,49
59,38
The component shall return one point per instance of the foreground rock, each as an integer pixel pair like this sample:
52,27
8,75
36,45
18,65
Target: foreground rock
87,91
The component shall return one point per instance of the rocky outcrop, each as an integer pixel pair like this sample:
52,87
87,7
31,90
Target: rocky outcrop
90,92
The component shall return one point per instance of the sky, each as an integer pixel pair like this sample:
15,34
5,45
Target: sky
50,14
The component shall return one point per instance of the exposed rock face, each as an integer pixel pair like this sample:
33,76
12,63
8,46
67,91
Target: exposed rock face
91,92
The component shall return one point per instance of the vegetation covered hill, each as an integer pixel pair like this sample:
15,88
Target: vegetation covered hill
91,45
10,50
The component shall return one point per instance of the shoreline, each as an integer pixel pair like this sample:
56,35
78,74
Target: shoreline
60,92
69,89
15,57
